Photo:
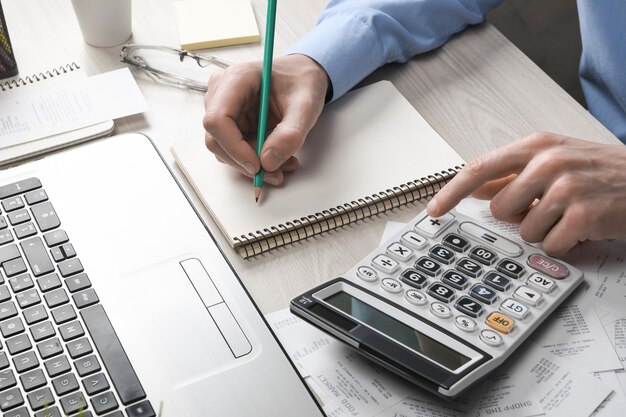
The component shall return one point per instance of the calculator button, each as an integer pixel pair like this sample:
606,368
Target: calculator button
385,264
433,226
491,338
441,292
513,308
455,279
500,322
413,240
465,323
510,268
541,283
483,255
415,297
527,296
469,267
456,242
399,252
414,279
548,266
493,240
497,281
367,274
483,293
440,310
442,254
391,285
469,306
428,266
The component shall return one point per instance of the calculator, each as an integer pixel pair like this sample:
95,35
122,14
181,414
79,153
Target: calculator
442,303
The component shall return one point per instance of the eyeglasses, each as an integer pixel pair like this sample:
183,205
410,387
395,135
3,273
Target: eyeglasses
191,71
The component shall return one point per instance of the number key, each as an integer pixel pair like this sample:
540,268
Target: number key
469,306
441,292
469,267
484,294
428,266
510,268
497,281
413,278
442,254
455,279
482,255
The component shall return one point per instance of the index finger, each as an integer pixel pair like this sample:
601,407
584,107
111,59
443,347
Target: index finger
224,104
493,165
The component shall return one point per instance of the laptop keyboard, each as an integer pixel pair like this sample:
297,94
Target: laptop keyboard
59,353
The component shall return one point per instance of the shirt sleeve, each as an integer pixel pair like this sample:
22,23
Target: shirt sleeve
354,37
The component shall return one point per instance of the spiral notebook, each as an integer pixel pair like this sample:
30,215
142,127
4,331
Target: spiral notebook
369,152
42,80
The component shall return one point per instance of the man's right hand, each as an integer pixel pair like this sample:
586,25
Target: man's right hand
297,96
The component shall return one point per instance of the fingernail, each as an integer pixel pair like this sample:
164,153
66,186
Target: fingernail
271,178
249,166
273,159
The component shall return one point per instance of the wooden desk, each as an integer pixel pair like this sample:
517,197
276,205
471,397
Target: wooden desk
478,92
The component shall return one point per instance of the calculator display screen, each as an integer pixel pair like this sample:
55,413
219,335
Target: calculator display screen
398,331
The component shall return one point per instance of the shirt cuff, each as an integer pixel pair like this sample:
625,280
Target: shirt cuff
346,47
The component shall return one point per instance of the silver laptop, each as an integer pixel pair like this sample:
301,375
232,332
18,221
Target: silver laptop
115,299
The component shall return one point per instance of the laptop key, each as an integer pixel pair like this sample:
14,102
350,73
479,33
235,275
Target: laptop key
73,403
33,380
87,365
57,366
25,230
35,197
63,314
49,282
45,216
95,384
7,310
4,293
37,256
10,399
112,353
3,223
42,331
65,384
19,217
35,314
71,330
7,379
11,327
13,203
49,348
70,267
40,398
25,362
78,282
50,412
56,298
9,252
19,187
18,344
28,298
21,282
56,237
115,414
79,347
18,412
104,403
85,298
6,237
4,361
142,409
14,267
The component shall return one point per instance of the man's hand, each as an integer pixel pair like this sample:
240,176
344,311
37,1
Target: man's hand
561,190
297,96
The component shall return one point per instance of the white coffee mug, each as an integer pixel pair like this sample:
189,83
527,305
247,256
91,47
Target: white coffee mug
104,23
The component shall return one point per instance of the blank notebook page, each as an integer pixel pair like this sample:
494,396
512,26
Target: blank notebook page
369,141
212,23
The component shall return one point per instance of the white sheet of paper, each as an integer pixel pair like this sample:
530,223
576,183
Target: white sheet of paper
391,228
479,209
69,106
615,403
425,406
507,395
615,328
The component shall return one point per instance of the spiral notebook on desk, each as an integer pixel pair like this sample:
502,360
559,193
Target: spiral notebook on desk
48,78
369,152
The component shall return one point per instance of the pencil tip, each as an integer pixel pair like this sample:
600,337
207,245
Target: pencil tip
257,193
256,199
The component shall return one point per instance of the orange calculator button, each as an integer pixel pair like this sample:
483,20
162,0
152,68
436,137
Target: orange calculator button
500,322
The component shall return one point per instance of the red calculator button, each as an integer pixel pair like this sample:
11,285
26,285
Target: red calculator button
547,266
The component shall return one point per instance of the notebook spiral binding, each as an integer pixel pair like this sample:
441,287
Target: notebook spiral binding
299,229
22,81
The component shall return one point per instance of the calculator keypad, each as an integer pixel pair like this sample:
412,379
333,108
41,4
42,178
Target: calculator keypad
487,289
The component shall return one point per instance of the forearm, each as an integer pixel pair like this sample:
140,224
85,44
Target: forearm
354,37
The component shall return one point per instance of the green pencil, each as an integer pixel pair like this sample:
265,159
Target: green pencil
266,77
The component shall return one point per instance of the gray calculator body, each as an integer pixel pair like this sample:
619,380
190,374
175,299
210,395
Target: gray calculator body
443,302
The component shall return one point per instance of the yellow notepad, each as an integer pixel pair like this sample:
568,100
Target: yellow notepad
213,23
369,152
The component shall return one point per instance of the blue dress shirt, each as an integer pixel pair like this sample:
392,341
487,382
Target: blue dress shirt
354,37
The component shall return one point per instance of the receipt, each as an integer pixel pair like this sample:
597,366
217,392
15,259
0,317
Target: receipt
425,406
507,394
615,403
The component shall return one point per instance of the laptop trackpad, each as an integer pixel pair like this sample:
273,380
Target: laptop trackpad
174,324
